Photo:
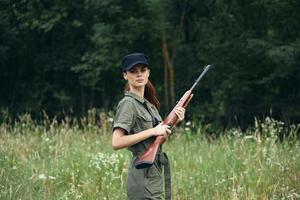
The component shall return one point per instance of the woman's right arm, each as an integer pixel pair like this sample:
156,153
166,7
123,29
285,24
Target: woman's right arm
121,140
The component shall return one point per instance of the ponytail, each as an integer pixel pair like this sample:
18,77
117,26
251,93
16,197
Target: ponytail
150,93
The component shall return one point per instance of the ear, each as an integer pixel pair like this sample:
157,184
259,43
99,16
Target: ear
125,76
148,73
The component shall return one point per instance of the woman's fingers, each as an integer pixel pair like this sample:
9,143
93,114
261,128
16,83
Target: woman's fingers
168,131
162,129
180,112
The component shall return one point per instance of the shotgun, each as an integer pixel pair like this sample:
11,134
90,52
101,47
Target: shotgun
147,159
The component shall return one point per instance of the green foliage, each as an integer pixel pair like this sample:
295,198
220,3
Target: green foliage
65,55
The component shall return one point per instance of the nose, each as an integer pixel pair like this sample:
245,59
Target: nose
139,73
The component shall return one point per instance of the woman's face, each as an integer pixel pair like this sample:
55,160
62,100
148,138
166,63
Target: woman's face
137,76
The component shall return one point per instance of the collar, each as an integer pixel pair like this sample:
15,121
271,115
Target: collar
138,98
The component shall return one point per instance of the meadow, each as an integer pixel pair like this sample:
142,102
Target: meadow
73,159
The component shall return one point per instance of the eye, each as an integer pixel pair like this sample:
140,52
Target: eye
132,70
144,69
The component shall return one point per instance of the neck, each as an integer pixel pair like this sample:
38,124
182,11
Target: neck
138,91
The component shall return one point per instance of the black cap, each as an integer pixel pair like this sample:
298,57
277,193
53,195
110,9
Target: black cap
132,59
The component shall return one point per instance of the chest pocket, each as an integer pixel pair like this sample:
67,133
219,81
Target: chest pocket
143,121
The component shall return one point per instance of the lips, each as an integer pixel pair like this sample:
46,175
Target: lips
139,80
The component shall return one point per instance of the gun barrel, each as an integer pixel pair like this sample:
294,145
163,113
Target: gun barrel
206,68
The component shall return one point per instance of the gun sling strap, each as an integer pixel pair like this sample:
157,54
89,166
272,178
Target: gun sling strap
163,159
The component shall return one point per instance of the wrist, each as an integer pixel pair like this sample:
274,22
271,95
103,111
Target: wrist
152,132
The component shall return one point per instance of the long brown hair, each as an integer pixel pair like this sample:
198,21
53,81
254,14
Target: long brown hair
150,93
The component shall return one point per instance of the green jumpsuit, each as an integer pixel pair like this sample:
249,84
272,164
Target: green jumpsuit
135,114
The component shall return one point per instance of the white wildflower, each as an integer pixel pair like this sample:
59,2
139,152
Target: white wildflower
42,176
188,123
110,119
51,177
249,137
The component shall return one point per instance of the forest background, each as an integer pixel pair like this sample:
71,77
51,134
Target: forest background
64,57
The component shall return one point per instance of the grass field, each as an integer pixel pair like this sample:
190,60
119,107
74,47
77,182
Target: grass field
54,160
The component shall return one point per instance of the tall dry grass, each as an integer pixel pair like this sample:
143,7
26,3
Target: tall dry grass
73,159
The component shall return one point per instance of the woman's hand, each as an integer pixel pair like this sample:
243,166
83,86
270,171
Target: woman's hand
161,129
180,112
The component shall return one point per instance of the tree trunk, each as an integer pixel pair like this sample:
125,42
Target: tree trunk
169,73
169,77
166,85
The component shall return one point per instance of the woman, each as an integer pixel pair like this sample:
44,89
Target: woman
136,124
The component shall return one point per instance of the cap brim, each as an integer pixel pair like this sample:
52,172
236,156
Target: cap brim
135,63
